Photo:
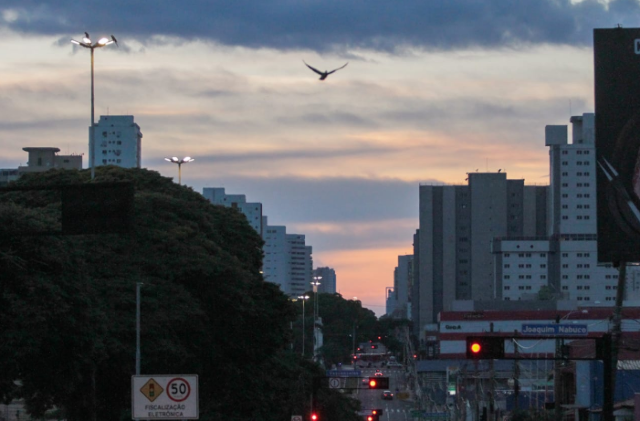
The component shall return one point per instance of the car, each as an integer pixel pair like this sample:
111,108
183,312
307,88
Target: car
387,395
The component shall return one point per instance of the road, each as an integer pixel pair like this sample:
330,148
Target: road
393,410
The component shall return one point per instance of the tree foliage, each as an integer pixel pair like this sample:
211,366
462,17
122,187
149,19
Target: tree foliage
68,307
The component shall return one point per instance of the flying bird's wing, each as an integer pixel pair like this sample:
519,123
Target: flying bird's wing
315,70
114,39
86,34
333,71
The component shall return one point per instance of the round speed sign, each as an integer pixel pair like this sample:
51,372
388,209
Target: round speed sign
178,389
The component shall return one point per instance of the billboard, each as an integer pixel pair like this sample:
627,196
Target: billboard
617,101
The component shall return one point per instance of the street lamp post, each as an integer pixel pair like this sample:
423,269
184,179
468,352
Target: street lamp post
316,340
86,43
303,298
178,161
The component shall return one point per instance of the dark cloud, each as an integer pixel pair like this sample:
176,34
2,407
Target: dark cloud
324,25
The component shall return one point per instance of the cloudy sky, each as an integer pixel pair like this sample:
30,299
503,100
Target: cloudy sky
433,89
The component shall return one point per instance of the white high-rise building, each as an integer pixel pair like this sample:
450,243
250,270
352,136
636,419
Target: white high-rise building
251,210
327,279
298,260
117,141
287,259
567,260
399,301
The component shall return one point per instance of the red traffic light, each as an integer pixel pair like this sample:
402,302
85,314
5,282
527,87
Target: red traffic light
485,347
378,382
314,417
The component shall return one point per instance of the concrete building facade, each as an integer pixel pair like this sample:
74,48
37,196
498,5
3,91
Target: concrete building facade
251,210
566,259
287,259
41,159
457,225
399,297
499,240
117,141
327,279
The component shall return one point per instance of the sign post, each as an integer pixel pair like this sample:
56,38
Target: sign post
157,397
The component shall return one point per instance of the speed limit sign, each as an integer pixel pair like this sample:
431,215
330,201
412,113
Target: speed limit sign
178,389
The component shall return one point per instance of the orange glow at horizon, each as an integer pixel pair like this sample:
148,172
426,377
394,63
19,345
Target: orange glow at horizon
366,273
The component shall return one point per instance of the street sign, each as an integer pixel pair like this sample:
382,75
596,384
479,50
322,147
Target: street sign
296,418
162,396
435,416
344,373
335,382
554,329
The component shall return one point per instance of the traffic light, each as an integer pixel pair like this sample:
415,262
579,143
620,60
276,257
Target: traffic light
376,411
378,382
314,417
371,417
485,347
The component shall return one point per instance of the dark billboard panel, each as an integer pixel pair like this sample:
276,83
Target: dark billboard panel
617,100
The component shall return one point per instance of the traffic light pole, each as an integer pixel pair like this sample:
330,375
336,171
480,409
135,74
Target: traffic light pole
492,348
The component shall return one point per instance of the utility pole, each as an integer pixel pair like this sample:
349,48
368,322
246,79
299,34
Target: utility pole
607,407
557,381
516,376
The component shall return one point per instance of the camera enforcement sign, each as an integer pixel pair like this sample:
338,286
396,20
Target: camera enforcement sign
161,396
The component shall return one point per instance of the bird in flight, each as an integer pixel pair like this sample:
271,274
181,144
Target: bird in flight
114,40
323,75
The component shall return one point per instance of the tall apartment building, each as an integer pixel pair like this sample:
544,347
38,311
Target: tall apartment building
457,225
566,261
117,141
287,259
300,265
327,279
251,210
399,300
497,240
41,159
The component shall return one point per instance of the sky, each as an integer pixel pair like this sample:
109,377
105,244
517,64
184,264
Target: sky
432,90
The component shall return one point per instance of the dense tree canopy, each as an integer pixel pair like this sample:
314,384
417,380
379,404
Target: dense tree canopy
68,304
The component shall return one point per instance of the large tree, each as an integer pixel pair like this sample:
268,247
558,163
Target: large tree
67,306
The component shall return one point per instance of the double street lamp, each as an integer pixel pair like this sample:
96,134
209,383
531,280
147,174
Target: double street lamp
178,161
316,331
303,298
87,43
